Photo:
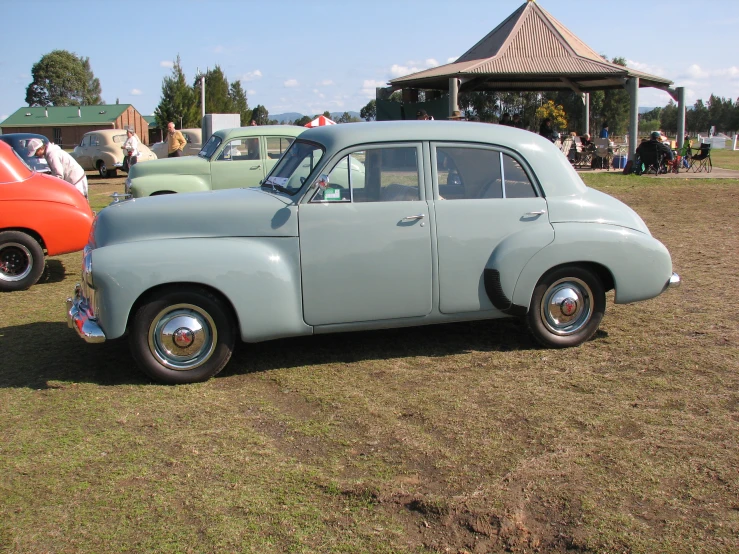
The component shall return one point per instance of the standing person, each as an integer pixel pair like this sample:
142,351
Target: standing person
422,115
604,130
61,164
516,121
131,147
546,130
175,142
506,120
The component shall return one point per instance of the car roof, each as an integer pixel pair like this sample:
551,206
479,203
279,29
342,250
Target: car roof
107,132
549,164
11,138
259,130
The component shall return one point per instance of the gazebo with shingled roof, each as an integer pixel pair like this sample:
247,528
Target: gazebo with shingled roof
532,51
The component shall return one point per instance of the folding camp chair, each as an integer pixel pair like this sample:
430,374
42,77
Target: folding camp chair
583,156
602,153
702,160
652,158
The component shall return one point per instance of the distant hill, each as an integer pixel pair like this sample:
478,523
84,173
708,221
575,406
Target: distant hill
645,109
292,116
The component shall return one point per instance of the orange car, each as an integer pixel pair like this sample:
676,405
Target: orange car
38,213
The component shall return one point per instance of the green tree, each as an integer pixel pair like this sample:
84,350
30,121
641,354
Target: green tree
553,111
327,114
60,78
178,103
217,94
667,120
92,89
302,121
369,112
698,117
260,115
238,100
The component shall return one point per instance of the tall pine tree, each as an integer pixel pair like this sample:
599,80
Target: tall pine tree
178,103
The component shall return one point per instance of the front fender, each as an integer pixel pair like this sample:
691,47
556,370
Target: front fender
152,184
508,260
639,264
259,276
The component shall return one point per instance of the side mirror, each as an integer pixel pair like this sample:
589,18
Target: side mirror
322,181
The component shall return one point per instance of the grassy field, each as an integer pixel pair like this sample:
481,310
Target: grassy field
454,438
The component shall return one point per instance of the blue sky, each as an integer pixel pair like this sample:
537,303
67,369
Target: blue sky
312,56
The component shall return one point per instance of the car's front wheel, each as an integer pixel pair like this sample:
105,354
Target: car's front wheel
184,335
567,307
21,261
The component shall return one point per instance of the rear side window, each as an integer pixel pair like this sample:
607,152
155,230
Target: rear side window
466,173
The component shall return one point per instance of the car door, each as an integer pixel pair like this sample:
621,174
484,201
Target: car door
485,195
82,152
366,248
238,164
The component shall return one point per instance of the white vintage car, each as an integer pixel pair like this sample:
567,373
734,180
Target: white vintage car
194,138
102,151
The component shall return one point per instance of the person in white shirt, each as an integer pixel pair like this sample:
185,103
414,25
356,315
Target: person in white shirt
131,147
61,164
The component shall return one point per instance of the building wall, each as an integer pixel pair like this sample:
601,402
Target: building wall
71,135
132,118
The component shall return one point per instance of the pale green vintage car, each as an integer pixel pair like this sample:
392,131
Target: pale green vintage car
231,158
447,221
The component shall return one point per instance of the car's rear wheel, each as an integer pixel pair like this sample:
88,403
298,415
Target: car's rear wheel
21,261
184,335
104,170
567,307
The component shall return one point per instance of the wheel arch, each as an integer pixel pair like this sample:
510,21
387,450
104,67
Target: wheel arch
30,232
157,290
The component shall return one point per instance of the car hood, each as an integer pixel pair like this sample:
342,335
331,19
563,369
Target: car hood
593,206
224,213
186,165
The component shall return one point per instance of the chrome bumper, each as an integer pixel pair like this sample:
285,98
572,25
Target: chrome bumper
78,317
673,282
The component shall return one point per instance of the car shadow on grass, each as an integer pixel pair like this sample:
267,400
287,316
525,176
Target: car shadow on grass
38,354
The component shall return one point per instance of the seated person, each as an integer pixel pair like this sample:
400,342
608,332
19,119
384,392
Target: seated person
646,149
587,142
252,148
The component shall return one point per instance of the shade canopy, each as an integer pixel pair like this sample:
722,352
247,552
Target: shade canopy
529,51
320,121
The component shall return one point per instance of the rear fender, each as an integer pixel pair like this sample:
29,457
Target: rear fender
639,264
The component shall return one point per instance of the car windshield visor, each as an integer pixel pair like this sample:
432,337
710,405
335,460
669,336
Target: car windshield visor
210,147
294,168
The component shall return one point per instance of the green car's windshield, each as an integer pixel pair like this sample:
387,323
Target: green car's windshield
294,167
210,147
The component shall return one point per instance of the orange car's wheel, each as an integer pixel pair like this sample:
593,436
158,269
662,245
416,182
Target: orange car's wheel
21,261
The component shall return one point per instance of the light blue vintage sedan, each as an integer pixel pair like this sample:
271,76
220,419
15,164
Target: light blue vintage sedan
448,221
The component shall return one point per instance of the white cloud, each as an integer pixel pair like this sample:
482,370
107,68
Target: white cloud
166,63
4,117
452,60
325,83
369,86
290,83
431,62
645,68
136,92
398,70
251,92
251,75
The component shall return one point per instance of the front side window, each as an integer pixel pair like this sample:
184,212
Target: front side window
240,149
388,174
276,146
466,173
294,167
85,141
119,139
210,147
94,140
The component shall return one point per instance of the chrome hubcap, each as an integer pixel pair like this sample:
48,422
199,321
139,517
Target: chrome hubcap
567,306
182,337
16,262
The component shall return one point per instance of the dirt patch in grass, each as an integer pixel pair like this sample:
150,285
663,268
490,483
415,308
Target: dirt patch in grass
451,438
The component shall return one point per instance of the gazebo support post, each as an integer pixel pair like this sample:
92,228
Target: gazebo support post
680,116
586,100
453,95
632,86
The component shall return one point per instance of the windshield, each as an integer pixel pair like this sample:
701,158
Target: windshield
294,167
210,147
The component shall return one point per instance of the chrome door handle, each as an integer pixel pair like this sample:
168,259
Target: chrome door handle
414,217
531,214
255,167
